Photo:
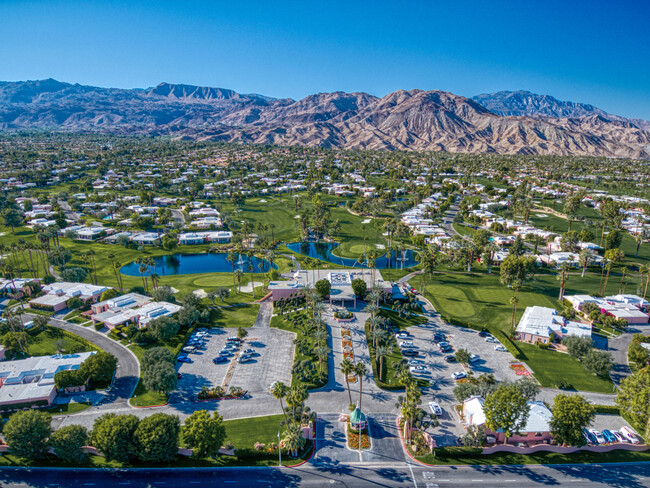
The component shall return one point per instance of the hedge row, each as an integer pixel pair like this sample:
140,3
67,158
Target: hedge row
607,409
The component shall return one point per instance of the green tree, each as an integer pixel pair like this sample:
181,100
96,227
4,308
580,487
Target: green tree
157,438
293,439
638,354
633,397
114,436
599,362
110,293
506,408
279,390
578,347
360,370
347,368
99,367
323,288
12,218
359,287
156,355
27,432
161,377
163,328
68,442
204,434
571,415
462,356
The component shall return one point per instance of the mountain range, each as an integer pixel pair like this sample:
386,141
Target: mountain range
504,122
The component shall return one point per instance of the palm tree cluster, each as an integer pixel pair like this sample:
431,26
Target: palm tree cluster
380,340
295,397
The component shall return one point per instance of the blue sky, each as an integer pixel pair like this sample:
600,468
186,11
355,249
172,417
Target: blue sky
593,52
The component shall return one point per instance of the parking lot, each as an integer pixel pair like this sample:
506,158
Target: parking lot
439,372
271,361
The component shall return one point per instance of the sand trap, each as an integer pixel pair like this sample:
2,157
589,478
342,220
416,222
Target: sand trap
541,216
174,290
248,288
262,201
380,246
3,234
366,221
200,293
297,217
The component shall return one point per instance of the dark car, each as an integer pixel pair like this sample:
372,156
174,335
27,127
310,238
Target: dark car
446,349
184,359
220,359
179,376
483,334
450,359
410,352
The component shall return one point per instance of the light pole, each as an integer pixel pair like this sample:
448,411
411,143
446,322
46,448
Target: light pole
279,451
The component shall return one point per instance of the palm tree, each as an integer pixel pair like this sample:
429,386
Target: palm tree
347,368
624,270
231,258
613,256
584,260
293,439
296,397
321,353
237,274
514,300
320,335
360,370
563,276
279,391
381,353
645,269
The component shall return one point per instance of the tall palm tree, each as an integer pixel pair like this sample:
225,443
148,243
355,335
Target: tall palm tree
513,300
646,270
360,370
321,353
231,258
320,335
381,353
347,368
279,391
236,275
563,277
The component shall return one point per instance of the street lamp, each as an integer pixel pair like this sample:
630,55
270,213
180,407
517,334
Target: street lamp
279,451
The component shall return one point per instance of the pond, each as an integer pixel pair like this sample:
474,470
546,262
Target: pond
323,250
178,264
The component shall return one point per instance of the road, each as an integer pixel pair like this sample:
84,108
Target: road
178,216
128,367
448,221
376,475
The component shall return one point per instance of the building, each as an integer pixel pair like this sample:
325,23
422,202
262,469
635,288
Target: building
30,382
130,308
191,238
340,281
57,295
537,324
631,308
536,431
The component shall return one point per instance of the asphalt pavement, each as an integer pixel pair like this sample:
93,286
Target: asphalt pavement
628,475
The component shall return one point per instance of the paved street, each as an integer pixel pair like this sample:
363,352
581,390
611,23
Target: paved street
359,475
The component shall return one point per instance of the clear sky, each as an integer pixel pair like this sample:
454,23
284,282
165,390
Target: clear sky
594,51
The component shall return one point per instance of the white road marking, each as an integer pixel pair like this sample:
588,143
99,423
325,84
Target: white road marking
413,476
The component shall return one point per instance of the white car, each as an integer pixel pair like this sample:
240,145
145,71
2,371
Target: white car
599,437
629,435
402,335
473,358
418,369
500,348
415,362
435,409
406,345
459,375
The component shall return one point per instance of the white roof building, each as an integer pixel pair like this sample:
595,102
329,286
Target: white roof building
538,323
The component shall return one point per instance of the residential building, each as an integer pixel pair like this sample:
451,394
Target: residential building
538,324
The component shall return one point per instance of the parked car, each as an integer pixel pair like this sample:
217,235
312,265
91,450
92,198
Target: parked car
179,376
234,339
407,345
402,335
450,359
618,436
435,409
459,375
189,349
629,435
446,349
226,353
410,352
231,346
248,351
220,359
418,369
589,437
599,437
415,362
439,337
473,358
491,339
443,344
244,359
500,348
609,437
483,334
183,359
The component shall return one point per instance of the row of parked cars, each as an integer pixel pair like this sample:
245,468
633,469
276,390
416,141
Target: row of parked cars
197,341
625,434
230,348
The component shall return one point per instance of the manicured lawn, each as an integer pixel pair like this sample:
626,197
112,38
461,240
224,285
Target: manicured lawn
552,367
243,315
584,457
52,341
402,322
244,433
